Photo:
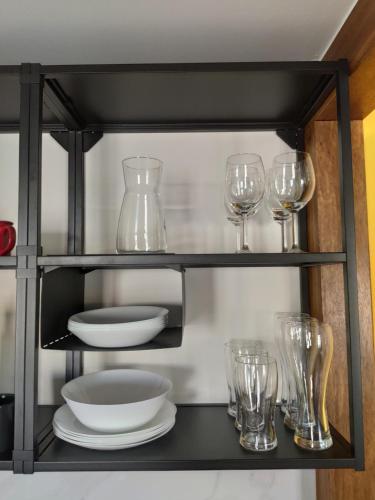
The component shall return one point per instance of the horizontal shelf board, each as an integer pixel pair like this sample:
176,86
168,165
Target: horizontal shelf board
203,96
8,262
189,126
206,126
203,438
6,462
185,95
309,66
194,260
168,338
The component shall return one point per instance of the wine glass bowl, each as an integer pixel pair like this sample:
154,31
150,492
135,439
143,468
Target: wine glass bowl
244,188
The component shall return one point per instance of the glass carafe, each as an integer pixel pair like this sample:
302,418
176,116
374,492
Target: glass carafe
141,226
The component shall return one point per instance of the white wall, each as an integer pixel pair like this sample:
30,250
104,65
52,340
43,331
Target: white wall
144,31
221,303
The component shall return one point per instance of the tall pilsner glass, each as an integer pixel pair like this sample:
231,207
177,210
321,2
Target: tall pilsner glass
289,394
310,344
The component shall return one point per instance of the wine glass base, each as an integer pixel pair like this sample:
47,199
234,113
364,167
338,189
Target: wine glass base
296,250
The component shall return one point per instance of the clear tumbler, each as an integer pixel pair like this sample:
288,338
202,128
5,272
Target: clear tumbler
256,379
234,348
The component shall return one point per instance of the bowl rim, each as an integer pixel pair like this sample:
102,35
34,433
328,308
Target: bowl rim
72,321
165,380
119,328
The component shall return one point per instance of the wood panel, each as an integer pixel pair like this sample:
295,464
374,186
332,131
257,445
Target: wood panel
327,302
326,282
355,42
356,36
362,90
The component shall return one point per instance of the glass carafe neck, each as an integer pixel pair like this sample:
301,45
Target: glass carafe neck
142,173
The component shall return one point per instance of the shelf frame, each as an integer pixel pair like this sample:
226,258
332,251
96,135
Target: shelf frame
28,273
350,267
30,262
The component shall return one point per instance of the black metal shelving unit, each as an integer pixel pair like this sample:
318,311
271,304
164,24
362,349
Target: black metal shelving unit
77,104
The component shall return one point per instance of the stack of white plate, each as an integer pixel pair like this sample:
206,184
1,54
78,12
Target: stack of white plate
115,409
68,428
119,326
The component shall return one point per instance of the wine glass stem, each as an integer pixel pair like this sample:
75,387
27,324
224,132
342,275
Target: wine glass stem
284,236
244,244
295,245
238,237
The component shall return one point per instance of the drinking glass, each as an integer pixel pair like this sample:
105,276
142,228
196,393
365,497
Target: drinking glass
244,188
233,348
256,379
289,395
310,344
279,214
293,182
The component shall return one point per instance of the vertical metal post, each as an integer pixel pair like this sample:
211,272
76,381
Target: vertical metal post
350,268
302,226
76,222
28,277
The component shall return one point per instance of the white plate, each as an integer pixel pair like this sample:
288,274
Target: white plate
94,446
65,421
118,326
115,401
113,441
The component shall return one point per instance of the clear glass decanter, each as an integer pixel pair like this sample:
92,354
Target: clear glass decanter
141,226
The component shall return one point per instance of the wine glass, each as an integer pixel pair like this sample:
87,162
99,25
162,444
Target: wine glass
244,189
279,214
293,182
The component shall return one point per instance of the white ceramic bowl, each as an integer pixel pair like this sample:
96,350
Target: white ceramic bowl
119,326
116,400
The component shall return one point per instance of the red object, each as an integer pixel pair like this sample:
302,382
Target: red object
7,237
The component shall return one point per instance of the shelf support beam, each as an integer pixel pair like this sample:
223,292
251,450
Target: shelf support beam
76,223
302,235
62,106
28,274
